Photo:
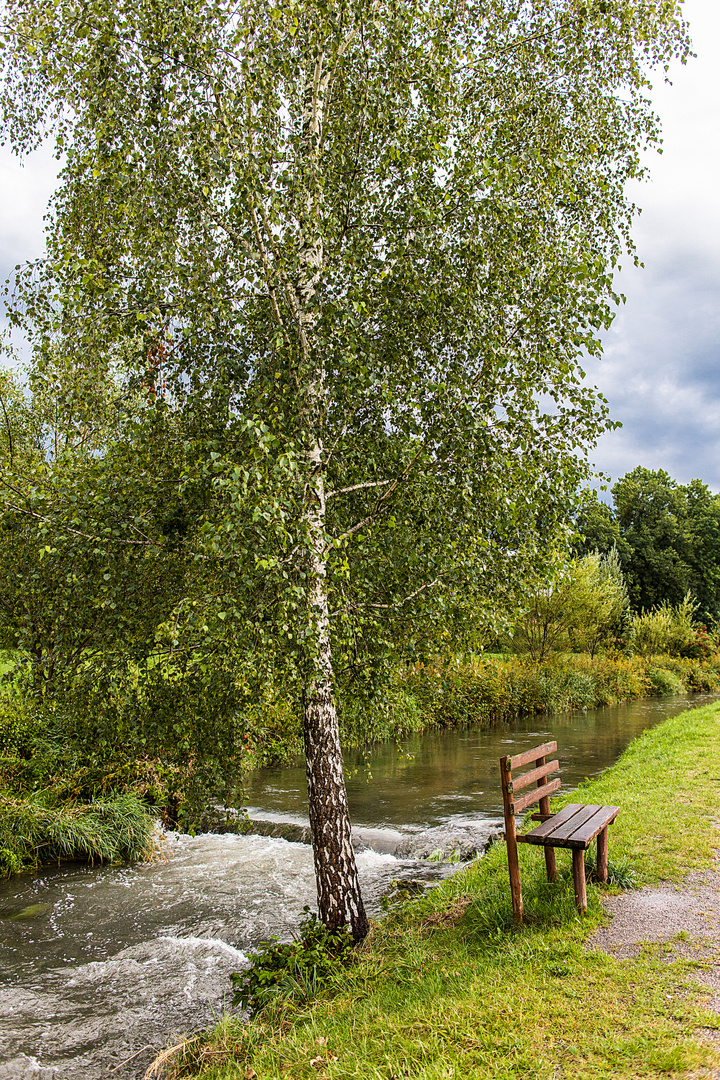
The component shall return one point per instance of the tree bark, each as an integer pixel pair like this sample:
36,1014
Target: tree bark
339,898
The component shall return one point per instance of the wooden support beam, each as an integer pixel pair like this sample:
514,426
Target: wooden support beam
578,858
511,841
602,855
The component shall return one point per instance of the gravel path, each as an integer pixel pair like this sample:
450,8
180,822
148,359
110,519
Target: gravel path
684,918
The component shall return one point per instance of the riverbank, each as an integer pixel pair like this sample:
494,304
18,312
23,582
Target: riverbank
61,799
481,691
447,986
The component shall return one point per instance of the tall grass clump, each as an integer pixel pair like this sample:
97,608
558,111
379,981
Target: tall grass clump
118,829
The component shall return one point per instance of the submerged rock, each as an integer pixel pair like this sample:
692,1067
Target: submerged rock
448,843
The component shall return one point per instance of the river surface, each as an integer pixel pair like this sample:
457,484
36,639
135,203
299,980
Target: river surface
102,963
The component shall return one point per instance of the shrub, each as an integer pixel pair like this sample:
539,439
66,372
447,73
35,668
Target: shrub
581,608
666,629
297,968
663,681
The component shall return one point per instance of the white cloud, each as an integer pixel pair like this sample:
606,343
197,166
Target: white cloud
662,356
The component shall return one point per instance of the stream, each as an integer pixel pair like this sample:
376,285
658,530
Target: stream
103,967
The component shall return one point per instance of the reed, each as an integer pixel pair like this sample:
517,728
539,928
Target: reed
33,833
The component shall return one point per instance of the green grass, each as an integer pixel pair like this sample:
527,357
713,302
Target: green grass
448,987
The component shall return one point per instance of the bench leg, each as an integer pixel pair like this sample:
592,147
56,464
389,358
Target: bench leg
514,868
578,857
550,864
602,855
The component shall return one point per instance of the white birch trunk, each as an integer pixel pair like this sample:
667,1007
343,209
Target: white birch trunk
339,898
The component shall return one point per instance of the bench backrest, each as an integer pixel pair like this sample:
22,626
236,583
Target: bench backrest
512,804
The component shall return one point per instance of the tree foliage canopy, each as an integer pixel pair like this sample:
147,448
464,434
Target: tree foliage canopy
423,202
360,246
667,535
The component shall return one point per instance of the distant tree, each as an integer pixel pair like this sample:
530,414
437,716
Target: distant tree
597,526
582,607
667,536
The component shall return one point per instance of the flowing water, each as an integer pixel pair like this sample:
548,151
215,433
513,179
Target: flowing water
101,963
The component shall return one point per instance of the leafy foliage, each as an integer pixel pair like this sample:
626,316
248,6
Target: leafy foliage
450,413
667,629
294,969
667,536
483,692
581,606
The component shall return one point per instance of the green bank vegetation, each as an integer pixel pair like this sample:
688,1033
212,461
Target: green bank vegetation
58,801
448,986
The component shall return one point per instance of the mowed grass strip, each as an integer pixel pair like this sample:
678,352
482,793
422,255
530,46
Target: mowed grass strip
448,987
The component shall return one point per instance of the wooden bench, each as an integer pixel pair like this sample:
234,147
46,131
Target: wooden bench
574,827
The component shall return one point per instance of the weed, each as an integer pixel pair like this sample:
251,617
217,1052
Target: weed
293,969
621,873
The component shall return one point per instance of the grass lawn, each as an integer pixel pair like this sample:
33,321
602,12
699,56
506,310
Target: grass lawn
448,987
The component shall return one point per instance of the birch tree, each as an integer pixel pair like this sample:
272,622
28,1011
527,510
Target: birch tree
365,244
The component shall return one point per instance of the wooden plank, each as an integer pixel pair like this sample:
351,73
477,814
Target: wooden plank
535,796
578,833
530,755
589,829
529,778
537,836
549,852
568,829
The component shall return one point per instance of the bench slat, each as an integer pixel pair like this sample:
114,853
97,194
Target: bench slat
530,755
587,832
537,795
530,777
576,831
567,828
537,835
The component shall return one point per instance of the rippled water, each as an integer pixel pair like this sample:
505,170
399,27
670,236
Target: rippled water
99,963
451,777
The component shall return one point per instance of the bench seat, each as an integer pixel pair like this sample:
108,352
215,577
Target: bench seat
575,826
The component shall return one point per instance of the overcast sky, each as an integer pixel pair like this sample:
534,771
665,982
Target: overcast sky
660,369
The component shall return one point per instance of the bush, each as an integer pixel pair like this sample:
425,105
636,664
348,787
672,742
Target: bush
666,629
297,968
662,681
